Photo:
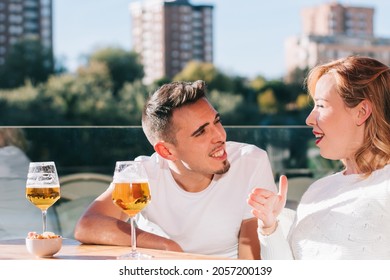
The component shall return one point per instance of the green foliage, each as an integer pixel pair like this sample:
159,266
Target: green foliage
267,102
207,72
258,83
19,97
27,60
297,76
225,103
233,108
83,99
282,92
303,101
27,105
109,91
15,104
158,83
123,66
278,97
133,97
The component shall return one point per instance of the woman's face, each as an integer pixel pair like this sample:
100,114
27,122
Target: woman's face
334,124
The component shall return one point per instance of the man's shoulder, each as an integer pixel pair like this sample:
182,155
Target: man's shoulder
153,159
151,163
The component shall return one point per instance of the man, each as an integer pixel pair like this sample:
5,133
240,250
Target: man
199,183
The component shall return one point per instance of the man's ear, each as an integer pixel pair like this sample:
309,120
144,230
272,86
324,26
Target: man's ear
164,150
364,111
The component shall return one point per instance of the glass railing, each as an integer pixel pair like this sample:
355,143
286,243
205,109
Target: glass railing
291,149
95,149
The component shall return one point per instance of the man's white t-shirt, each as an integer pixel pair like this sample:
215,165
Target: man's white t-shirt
206,222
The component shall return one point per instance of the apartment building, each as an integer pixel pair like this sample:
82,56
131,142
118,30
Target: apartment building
332,31
169,34
335,19
21,19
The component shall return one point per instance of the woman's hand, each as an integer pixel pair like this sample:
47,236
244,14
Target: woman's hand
267,205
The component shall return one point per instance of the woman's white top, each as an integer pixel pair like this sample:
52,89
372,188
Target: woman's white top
17,215
339,217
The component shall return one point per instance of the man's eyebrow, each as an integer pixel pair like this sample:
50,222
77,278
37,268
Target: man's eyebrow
217,116
200,128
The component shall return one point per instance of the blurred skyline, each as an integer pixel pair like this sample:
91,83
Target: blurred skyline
248,35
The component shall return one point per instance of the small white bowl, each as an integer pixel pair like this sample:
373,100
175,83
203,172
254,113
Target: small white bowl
44,248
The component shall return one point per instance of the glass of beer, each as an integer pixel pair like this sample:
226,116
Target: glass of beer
42,187
131,194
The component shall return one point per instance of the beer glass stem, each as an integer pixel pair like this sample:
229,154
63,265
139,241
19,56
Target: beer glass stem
133,237
44,212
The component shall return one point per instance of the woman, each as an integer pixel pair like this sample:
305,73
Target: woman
17,215
345,215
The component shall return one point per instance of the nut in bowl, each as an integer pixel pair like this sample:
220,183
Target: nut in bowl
43,245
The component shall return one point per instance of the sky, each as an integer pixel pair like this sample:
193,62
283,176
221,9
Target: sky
249,35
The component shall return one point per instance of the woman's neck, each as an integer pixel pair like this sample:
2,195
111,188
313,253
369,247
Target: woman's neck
350,167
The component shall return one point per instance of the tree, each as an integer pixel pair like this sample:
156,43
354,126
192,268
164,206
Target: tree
123,66
29,60
258,83
285,94
160,82
207,72
303,101
15,105
131,100
297,76
84,98
233,108
267,102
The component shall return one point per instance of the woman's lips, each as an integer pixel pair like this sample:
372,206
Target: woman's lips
318,136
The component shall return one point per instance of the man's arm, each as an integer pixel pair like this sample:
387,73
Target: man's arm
248,241
104,223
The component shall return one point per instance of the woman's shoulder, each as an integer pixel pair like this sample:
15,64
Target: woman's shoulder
13,162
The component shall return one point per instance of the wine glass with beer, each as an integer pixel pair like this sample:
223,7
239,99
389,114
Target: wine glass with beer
42,187
131,194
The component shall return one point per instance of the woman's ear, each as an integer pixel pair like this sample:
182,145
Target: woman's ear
365,110
164,150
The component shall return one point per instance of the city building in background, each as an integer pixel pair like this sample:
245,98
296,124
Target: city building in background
169,34
332,31
25,19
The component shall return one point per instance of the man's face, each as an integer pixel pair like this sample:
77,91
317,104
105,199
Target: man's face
200,139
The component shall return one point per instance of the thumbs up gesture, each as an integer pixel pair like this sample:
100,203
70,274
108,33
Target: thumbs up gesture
267,205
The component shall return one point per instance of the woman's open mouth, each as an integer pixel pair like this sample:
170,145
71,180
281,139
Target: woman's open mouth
318,136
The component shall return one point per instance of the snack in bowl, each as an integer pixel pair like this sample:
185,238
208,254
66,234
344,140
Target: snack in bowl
43,245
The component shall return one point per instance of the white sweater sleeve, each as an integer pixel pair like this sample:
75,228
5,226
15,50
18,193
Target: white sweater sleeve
275,246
